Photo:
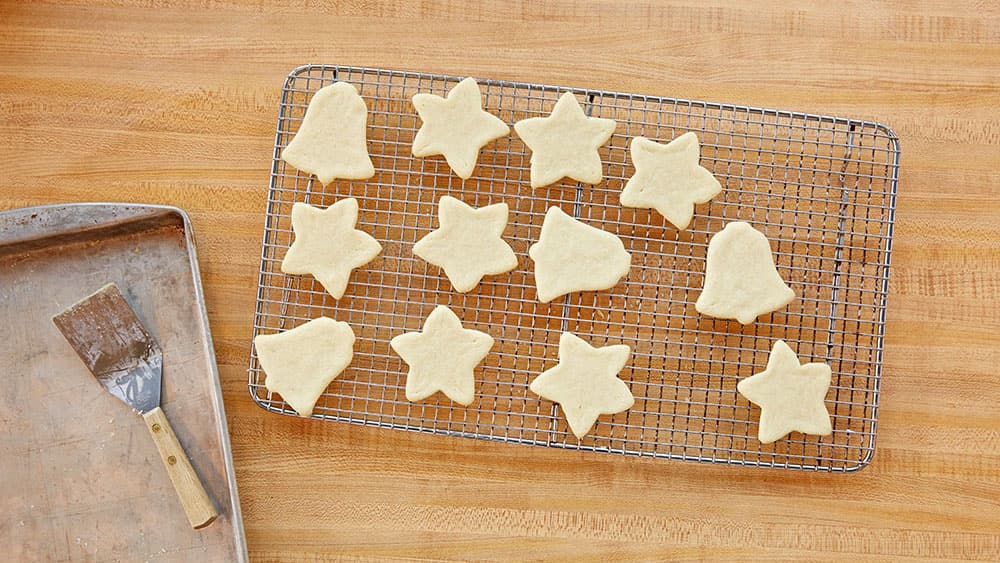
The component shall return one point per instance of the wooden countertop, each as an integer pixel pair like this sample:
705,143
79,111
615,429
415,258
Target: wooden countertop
177,105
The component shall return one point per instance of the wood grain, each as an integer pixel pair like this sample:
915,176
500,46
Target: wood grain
190,490
175,103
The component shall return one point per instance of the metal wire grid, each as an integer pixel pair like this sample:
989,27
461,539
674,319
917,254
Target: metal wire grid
821,188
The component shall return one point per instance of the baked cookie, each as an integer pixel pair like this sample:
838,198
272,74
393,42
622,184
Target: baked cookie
442,357
565,143
456,127
573,256
299,363
669,179
585,382
790,396
332,139
741,281
467,243
327,245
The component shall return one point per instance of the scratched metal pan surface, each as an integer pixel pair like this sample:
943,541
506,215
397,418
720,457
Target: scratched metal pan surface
80,478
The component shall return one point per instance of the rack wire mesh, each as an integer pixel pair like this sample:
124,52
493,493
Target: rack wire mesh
821,188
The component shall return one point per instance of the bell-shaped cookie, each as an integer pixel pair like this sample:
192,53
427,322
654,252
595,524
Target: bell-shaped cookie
572,256
301,362
741,281
331,141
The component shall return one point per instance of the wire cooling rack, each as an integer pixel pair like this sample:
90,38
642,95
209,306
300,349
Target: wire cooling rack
821,188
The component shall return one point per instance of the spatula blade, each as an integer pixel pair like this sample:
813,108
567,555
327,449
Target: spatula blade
105,332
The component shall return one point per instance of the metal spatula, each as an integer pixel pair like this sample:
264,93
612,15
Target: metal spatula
111,341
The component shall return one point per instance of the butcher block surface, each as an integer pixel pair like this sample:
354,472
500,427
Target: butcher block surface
175,103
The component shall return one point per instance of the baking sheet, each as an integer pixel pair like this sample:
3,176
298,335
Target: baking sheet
80,478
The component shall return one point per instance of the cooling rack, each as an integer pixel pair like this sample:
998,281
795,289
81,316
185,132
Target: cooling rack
821,188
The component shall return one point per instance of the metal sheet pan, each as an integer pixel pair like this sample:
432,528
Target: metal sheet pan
79,477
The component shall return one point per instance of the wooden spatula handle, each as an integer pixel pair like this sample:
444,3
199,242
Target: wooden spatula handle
197,505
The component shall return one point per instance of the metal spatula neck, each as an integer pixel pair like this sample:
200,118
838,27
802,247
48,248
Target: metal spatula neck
105,332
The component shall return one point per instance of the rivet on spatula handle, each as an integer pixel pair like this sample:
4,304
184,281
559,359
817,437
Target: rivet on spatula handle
197,505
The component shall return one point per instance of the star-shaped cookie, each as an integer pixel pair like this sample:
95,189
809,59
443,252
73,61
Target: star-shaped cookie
300,363
467,245
327,245
571,255
456,127
585,382
565,143
669,179
442,357
332,140
790,395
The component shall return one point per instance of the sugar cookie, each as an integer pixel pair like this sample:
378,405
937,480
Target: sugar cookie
332,139
456,127
585,382
741,281
790,395
669,179
300,363
327,245
565,143
573,256
442,357
467,244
